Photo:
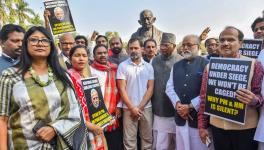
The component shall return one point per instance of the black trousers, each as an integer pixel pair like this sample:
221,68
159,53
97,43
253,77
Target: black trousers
234,139
114,139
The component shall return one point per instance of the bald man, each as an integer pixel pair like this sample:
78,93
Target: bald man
148,30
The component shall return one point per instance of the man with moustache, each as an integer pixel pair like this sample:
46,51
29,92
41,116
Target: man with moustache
164,124
106,73
135,80
183,89
81,40
11,37
118,55
228,135
211,45
150,47
59,13
258,33
66,42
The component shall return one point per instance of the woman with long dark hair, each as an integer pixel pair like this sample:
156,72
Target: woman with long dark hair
38,107
79,60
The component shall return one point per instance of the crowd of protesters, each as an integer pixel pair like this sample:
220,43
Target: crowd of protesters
155,91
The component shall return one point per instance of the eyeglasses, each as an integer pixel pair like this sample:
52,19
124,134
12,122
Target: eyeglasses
35,41
188,45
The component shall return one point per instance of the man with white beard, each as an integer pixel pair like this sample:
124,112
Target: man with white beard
183,89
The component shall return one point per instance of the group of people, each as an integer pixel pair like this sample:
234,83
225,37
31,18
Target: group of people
155,92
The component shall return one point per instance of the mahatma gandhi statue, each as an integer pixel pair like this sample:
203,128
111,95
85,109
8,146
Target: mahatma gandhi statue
148,30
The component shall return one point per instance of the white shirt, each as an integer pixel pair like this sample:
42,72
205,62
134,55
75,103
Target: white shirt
164,124
91,46
173,95
65,59
137,77
260,128
101,77
261,57
1,51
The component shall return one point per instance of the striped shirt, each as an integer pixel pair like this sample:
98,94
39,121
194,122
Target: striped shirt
25,103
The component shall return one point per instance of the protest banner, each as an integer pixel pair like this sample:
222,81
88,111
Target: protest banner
98,113
251,47
225,77
60,17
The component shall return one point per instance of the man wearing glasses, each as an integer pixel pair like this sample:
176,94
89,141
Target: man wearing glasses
228,135
66,42
183,89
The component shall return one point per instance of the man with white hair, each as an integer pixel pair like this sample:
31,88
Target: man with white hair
183,89
59,13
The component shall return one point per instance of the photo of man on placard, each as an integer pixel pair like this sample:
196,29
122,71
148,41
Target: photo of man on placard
95,98
59,13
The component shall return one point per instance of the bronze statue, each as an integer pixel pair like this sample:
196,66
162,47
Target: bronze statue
148,30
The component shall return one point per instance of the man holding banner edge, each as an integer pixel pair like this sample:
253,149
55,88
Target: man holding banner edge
258,32
228,135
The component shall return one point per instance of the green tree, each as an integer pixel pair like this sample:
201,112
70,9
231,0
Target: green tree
5,8
110,34
18,11
23,12
35,20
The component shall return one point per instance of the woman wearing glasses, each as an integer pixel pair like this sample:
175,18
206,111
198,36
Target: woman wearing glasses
38,107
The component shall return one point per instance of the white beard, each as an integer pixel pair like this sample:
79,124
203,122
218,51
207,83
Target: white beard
187,54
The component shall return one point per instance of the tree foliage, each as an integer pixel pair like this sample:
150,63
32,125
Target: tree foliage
18,11
110,34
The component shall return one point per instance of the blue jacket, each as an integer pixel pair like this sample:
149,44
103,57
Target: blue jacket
6,62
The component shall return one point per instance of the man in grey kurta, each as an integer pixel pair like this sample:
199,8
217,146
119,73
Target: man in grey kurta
164,124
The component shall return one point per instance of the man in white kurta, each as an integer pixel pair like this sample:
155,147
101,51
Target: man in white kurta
183,89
